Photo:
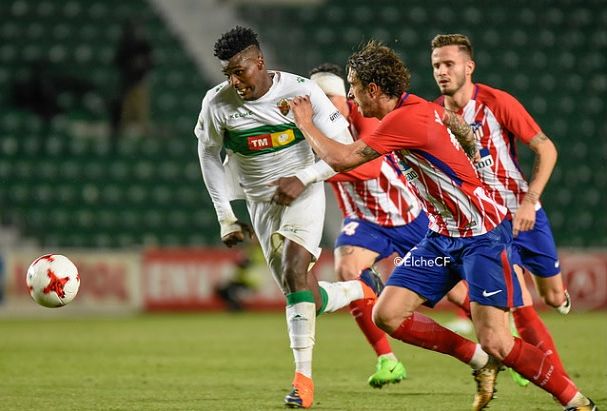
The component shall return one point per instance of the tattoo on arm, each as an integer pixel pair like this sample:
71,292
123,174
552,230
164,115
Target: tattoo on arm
462,132
539,138
367,153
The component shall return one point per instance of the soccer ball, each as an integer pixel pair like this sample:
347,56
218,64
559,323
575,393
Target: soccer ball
52,280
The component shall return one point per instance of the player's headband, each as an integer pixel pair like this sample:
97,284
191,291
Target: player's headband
330,83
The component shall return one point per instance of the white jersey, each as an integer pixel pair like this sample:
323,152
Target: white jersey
260,136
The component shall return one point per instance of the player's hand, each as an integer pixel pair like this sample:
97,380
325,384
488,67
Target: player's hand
524,219
476,157
302,111
235,237
287,190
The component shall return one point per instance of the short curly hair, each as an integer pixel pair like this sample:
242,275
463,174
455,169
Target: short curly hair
327,68
379,64
235,41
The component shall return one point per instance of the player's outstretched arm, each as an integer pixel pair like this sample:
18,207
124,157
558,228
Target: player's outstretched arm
341,157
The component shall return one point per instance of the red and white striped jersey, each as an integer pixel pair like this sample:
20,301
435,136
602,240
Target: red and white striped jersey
497,119
376,191
385,200
456,201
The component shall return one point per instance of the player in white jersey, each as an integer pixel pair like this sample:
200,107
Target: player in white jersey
497,118
271,166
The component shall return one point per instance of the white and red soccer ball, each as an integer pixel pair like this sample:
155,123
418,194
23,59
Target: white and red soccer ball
52,280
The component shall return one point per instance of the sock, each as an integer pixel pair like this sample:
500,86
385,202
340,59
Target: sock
532,329
301,323
424,332
479,359
537,366
339,294
361,310
578,400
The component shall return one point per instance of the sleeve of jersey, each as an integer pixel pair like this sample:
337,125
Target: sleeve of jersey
364,172
332,124
213,172
327,117
395,133
512,116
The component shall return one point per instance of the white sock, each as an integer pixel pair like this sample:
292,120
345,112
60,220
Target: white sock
301,322
341,293
479,359
578,400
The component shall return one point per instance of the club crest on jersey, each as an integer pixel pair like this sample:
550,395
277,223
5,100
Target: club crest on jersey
283,106
477,129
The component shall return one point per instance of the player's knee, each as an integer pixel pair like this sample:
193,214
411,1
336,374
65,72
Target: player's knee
494,344
388,320
346,272
553,297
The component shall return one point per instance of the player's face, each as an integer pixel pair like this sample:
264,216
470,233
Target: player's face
451,68
245,72
360,95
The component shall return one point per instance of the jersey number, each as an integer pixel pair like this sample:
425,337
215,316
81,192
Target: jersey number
350,228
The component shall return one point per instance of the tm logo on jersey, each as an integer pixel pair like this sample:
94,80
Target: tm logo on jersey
263,141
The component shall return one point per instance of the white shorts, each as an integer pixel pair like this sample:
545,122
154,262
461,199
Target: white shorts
301,222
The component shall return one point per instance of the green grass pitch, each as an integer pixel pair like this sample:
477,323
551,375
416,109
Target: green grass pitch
243,362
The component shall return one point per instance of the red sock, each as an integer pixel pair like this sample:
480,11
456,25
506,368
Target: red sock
537,366
533,330
424,332
361,310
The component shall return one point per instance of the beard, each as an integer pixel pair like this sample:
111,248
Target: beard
456,83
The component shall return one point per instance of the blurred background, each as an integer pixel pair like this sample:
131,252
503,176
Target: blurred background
99,99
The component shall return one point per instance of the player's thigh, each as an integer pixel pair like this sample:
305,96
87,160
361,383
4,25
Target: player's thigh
488,270
457,295
520,274
425,271
302,221
351,260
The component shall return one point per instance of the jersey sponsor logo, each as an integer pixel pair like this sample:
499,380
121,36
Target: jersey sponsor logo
236,115
407,171
272,140
486,159
283,106
489,294
334,116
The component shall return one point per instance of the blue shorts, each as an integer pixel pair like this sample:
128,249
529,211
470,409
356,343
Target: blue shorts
383,240
535,249
439,262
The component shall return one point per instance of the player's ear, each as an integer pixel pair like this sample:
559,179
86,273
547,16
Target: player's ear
470,66
260,61
373,89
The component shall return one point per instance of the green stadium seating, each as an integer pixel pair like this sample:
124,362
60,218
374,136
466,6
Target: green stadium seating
63,189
